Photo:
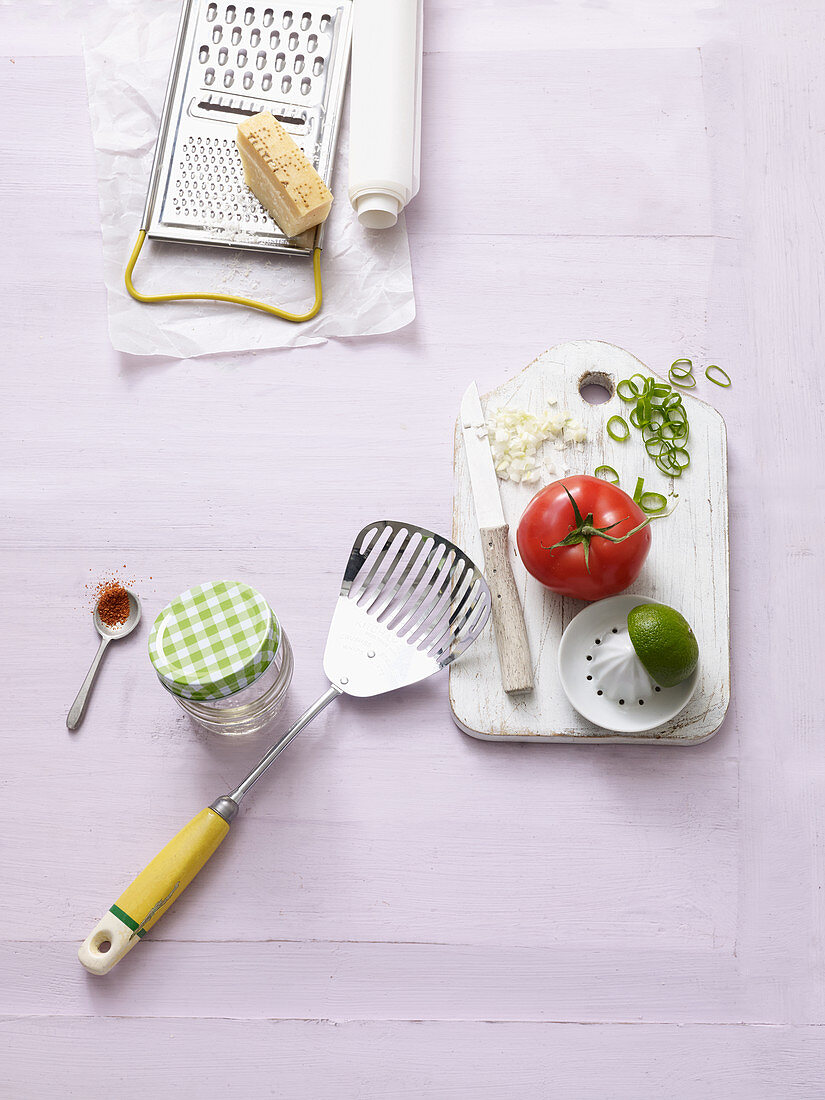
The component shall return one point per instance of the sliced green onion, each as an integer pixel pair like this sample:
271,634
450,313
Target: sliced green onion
630,391
681,374
688,383
673,462
620,420
657,447
668,466
674,429
682,371
652,503
724,381
653,431
602,471
655,419
658,412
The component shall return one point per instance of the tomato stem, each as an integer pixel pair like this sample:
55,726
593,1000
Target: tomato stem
584,530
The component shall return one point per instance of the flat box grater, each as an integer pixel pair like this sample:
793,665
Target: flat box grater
231,61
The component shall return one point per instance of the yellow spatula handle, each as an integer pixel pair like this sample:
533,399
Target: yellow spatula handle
152,892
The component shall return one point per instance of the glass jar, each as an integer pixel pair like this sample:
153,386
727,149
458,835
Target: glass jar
219,650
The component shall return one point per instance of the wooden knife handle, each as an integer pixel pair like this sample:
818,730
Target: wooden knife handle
508,617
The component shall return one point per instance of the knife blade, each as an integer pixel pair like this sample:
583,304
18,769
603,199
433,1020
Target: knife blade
508,616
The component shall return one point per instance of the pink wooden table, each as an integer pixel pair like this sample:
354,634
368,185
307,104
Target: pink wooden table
402,911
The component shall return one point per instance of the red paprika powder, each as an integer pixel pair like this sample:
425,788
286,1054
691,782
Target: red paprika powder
112,603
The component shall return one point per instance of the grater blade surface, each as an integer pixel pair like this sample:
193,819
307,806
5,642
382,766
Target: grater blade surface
231,61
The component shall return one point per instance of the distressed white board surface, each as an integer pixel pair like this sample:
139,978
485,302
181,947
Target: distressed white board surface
687,567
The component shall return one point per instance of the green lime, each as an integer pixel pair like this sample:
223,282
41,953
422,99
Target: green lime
664,642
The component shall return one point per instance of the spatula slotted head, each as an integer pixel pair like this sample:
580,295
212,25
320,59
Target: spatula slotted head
410,603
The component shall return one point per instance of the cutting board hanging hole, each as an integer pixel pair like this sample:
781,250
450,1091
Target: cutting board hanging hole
596,387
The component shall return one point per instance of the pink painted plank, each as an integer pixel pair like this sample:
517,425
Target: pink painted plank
398,1061
638,146
582,980
778,540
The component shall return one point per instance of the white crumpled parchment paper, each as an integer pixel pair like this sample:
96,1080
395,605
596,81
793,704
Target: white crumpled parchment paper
366,275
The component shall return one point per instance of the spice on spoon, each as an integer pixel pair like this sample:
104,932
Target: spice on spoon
112,603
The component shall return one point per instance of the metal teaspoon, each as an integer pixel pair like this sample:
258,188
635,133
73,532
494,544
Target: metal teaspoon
107,634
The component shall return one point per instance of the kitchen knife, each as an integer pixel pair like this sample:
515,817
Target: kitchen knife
508,617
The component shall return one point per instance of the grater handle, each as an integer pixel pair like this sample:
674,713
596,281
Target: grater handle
508,616
232,299
155,889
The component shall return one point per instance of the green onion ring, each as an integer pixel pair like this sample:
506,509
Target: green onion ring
682,381
717,381
609,469
673,430
654,431
652,424
657,411
681,375
668,466
679,371
657,437
630,384
652,503
618,420
657,447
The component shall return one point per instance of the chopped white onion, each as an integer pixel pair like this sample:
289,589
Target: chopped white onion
516,436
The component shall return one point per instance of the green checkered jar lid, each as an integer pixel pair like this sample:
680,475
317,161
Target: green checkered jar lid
213,640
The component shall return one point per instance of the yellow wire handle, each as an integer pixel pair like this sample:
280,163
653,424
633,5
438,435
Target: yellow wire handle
206,296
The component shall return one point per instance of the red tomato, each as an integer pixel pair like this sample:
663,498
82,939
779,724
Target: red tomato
604,569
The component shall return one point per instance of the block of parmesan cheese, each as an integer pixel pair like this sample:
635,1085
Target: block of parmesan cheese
280,176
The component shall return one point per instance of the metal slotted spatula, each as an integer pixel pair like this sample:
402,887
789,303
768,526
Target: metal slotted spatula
410,603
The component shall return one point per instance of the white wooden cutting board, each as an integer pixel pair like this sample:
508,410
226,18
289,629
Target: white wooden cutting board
687,567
